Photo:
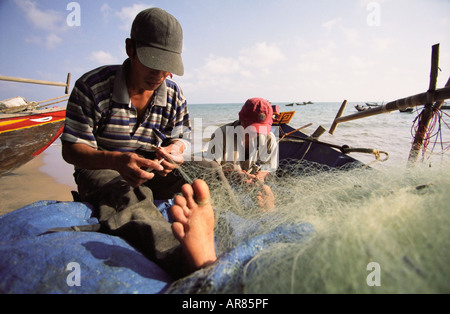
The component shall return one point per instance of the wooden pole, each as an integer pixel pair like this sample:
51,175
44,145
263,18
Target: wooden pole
438,105
32,81
51,99
427,113
53,103
412,101
424,121
339,114
67,83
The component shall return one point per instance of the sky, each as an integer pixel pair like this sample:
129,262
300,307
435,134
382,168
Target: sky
281,50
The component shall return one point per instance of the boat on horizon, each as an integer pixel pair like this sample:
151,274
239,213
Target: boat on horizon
360,108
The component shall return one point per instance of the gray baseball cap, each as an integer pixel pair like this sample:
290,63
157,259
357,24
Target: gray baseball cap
159,40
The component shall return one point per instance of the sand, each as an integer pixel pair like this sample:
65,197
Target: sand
29,184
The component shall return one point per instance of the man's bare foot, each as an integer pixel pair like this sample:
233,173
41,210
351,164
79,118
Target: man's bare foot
194,224
266,199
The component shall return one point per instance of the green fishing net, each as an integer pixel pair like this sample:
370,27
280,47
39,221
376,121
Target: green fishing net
375,230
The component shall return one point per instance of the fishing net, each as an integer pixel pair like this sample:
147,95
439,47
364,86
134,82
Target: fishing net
397,218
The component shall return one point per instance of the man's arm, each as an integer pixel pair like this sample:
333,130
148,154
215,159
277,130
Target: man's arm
129,165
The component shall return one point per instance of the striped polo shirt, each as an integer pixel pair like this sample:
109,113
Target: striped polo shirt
101,115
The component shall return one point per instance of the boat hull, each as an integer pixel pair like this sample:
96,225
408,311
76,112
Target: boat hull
311,152
26,135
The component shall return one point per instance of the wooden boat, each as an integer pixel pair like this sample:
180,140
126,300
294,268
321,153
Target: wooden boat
26,129
298,146
360,108
26,134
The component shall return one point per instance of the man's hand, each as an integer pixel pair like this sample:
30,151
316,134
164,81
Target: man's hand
172,157
135,169
131,166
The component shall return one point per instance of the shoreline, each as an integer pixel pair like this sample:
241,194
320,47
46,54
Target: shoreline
29,184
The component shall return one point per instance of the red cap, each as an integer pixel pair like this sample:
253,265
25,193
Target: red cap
257,112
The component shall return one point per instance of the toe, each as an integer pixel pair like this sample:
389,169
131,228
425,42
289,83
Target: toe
178,231
178,214
201,191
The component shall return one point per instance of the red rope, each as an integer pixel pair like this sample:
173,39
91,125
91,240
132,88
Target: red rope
436,121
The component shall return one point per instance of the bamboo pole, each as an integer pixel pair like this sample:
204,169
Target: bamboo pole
53,103
51,99
41,82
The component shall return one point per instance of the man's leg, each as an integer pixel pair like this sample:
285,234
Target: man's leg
131,214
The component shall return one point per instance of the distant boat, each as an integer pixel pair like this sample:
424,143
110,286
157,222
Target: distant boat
304,103
360,108
407,110
372,104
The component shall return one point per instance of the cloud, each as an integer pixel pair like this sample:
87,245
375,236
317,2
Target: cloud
329,25
445,21
337,24
103,57
261,55
127,14
106,11
351,35
49,21
235,75
382,44
256,58
220,65
317,60
50,41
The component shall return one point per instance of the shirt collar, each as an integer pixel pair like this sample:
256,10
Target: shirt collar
120,92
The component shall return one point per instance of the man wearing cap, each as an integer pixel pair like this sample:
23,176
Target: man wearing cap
126,129
247,146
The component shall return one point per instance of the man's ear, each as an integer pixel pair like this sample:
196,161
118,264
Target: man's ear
130,46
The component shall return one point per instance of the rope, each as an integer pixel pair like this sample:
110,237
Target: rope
434,130
344,149
373,151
